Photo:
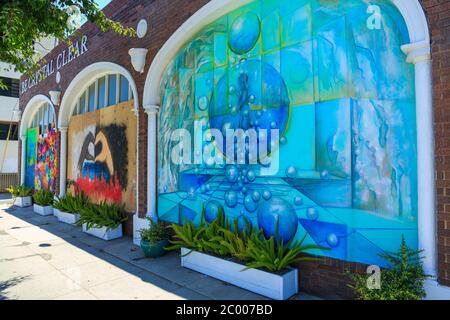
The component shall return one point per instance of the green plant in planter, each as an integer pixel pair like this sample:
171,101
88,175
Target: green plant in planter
71,204
20,191
43,197
403,281
154,239
102,215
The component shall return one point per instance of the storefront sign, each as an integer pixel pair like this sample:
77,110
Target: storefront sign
72,52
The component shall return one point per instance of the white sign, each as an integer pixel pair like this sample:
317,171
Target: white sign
72,52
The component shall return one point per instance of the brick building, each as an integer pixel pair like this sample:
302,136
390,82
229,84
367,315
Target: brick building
363,81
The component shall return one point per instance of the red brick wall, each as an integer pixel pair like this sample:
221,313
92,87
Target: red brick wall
165,16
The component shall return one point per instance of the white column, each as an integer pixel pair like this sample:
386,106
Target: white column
63,162
152,112
23,159
419,55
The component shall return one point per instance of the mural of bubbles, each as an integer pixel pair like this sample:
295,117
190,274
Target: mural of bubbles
231,198
267,195
249,204
281,211
291,172
203,103
332,240
298,201
244,33
251,176
232,173
212,210
312,214
256,196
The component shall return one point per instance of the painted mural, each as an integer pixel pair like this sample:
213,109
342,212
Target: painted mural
341,95
102,154
42,162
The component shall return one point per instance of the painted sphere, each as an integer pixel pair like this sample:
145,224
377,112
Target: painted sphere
312,214
249,204
298,201
212,209
244,33
251,176
283,140
244,190
267,195
231,199
281,211
332,240
325,174
232,173
291,172
256,196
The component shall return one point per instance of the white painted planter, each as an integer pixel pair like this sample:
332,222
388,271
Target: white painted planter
275,286
104,234
66,217
43,210
23,202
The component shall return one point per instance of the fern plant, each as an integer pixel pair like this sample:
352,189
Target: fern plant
71,204
404,280
43,197
20,191
102,215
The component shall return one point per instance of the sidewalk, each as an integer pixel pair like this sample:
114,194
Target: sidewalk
41,258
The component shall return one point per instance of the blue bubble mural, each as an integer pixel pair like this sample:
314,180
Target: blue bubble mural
342,97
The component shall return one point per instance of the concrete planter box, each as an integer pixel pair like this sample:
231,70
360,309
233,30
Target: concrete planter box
104,234
66,217
271,285
43,210
23,201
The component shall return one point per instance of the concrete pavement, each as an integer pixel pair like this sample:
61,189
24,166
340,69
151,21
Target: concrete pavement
41,258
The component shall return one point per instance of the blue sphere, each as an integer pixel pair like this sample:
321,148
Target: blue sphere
332,240
312,214
251,176
244,190
244,33
267,195
232,173
298,201
281,211
212,210
231,199
256,196
291,172
249,204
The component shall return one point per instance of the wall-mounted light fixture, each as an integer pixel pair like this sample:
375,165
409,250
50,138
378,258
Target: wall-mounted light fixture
138,56
55,96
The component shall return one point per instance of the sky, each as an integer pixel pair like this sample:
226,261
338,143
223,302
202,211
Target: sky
102,3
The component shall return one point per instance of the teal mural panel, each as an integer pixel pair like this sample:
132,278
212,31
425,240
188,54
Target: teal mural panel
342,97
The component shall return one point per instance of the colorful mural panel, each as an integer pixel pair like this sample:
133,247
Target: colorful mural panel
102,154
341,96
32,136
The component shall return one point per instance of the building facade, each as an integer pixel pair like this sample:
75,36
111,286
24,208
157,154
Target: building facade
340,93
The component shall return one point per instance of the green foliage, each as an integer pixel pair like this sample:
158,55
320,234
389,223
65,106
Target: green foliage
404,279
102,215
43,197
20,191
156,232
71,204
223,239
25,22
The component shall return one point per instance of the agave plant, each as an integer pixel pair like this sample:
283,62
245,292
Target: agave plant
43,197
102,215
71,204
20,191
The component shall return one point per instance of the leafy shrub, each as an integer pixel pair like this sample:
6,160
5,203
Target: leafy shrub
71,204
102,215
404,279
154,233
20,191
249,246
43,197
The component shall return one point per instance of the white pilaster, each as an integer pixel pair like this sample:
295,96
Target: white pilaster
23,159
63,162
152,112
419,54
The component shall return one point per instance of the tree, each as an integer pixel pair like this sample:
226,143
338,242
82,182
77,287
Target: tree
24,22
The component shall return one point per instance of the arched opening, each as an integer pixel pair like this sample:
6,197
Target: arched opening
413,202
39,144
98,141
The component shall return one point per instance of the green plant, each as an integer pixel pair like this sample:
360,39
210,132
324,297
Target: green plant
156,232
20,191
43,197
404,279
71,204
102,215
249,246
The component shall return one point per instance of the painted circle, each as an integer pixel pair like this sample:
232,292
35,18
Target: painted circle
141,29
278,211
244,33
